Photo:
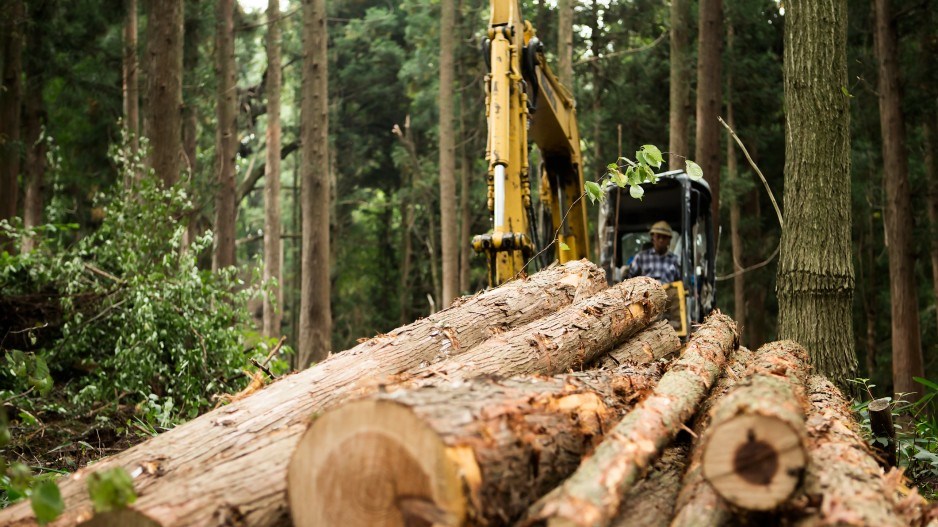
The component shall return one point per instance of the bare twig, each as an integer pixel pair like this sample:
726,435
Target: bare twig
752,163
629,51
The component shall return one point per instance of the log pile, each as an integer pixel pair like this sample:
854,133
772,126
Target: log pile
551,400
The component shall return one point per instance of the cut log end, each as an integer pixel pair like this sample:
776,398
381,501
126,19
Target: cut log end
754,461
373,463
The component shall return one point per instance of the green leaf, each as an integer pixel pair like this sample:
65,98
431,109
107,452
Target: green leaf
693,170
111,489
633,176
594,191
46,501
843,89
645,173
652,155
40,378
636,191
612,167
618,178
925,382
564,247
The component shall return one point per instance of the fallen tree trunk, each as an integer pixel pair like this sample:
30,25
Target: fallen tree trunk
651,502
843,485
570,338
698,503
467,453
754,449
655,342
192,475
591,496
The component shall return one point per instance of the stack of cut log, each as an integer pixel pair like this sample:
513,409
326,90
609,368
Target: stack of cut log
551,400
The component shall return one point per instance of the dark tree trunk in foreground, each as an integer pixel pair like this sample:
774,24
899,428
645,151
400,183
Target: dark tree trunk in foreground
709,97
906,337
272,249
226,136
12,27
163,119
681,72
315,309
449,234
592,495
815,270
260,432
414,454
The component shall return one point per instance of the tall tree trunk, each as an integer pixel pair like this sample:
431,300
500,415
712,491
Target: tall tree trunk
449,234
871,281
906,339
739,280
680,83
194,35
163,119
10,102
315,310
131,84
929,138
465,222
709,97
226,136
33,121
565,14
815,272
272,250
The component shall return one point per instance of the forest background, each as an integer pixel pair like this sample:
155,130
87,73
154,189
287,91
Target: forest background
129,301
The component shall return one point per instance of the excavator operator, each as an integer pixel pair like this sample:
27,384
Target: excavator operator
658,261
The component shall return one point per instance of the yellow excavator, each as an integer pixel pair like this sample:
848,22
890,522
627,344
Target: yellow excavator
524,103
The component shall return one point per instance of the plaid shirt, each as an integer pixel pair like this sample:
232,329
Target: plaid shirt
663,267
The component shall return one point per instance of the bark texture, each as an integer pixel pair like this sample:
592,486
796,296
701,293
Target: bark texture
565,14
906,338
882,427
754,448
272,250
710,97
930,144
651,501
571,338
34,119
505,443
315,291
163,118
815,271
449,233
226,136
698,503
261,431
131,82
681,72
843,486
592,495
655,342
14,24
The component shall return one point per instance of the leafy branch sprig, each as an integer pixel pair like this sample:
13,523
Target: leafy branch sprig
636,172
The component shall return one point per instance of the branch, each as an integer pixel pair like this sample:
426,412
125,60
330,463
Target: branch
629,51
752,163
247,186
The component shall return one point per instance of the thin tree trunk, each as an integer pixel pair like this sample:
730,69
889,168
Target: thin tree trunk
315,309
565,15
680,83
871,280
10,103
163,119
272,249
815,271
929,138
906,338
190,122
409,175
709,97
35,144
739,280
226,136
465,223
449,233
131,84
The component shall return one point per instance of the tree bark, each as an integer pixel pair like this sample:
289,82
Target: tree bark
35,168
655,342
815,271
571,338
709,97
592,495
651,502
226,136
14,24
262,430
315,309
843,484
565,16
465,207
882,429
272,248
473,453
739,278
163,118
698,503
131,84
449,233
680,81
906,338
754,448
930,144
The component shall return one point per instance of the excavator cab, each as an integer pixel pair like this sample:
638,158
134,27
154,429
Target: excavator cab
684,203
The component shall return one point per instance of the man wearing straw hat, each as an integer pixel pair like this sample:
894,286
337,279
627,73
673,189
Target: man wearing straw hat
658,261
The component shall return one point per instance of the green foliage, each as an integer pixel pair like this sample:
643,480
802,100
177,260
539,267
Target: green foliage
637,173
111,489
46,501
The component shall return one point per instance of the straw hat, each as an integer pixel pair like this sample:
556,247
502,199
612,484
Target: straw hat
662,228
